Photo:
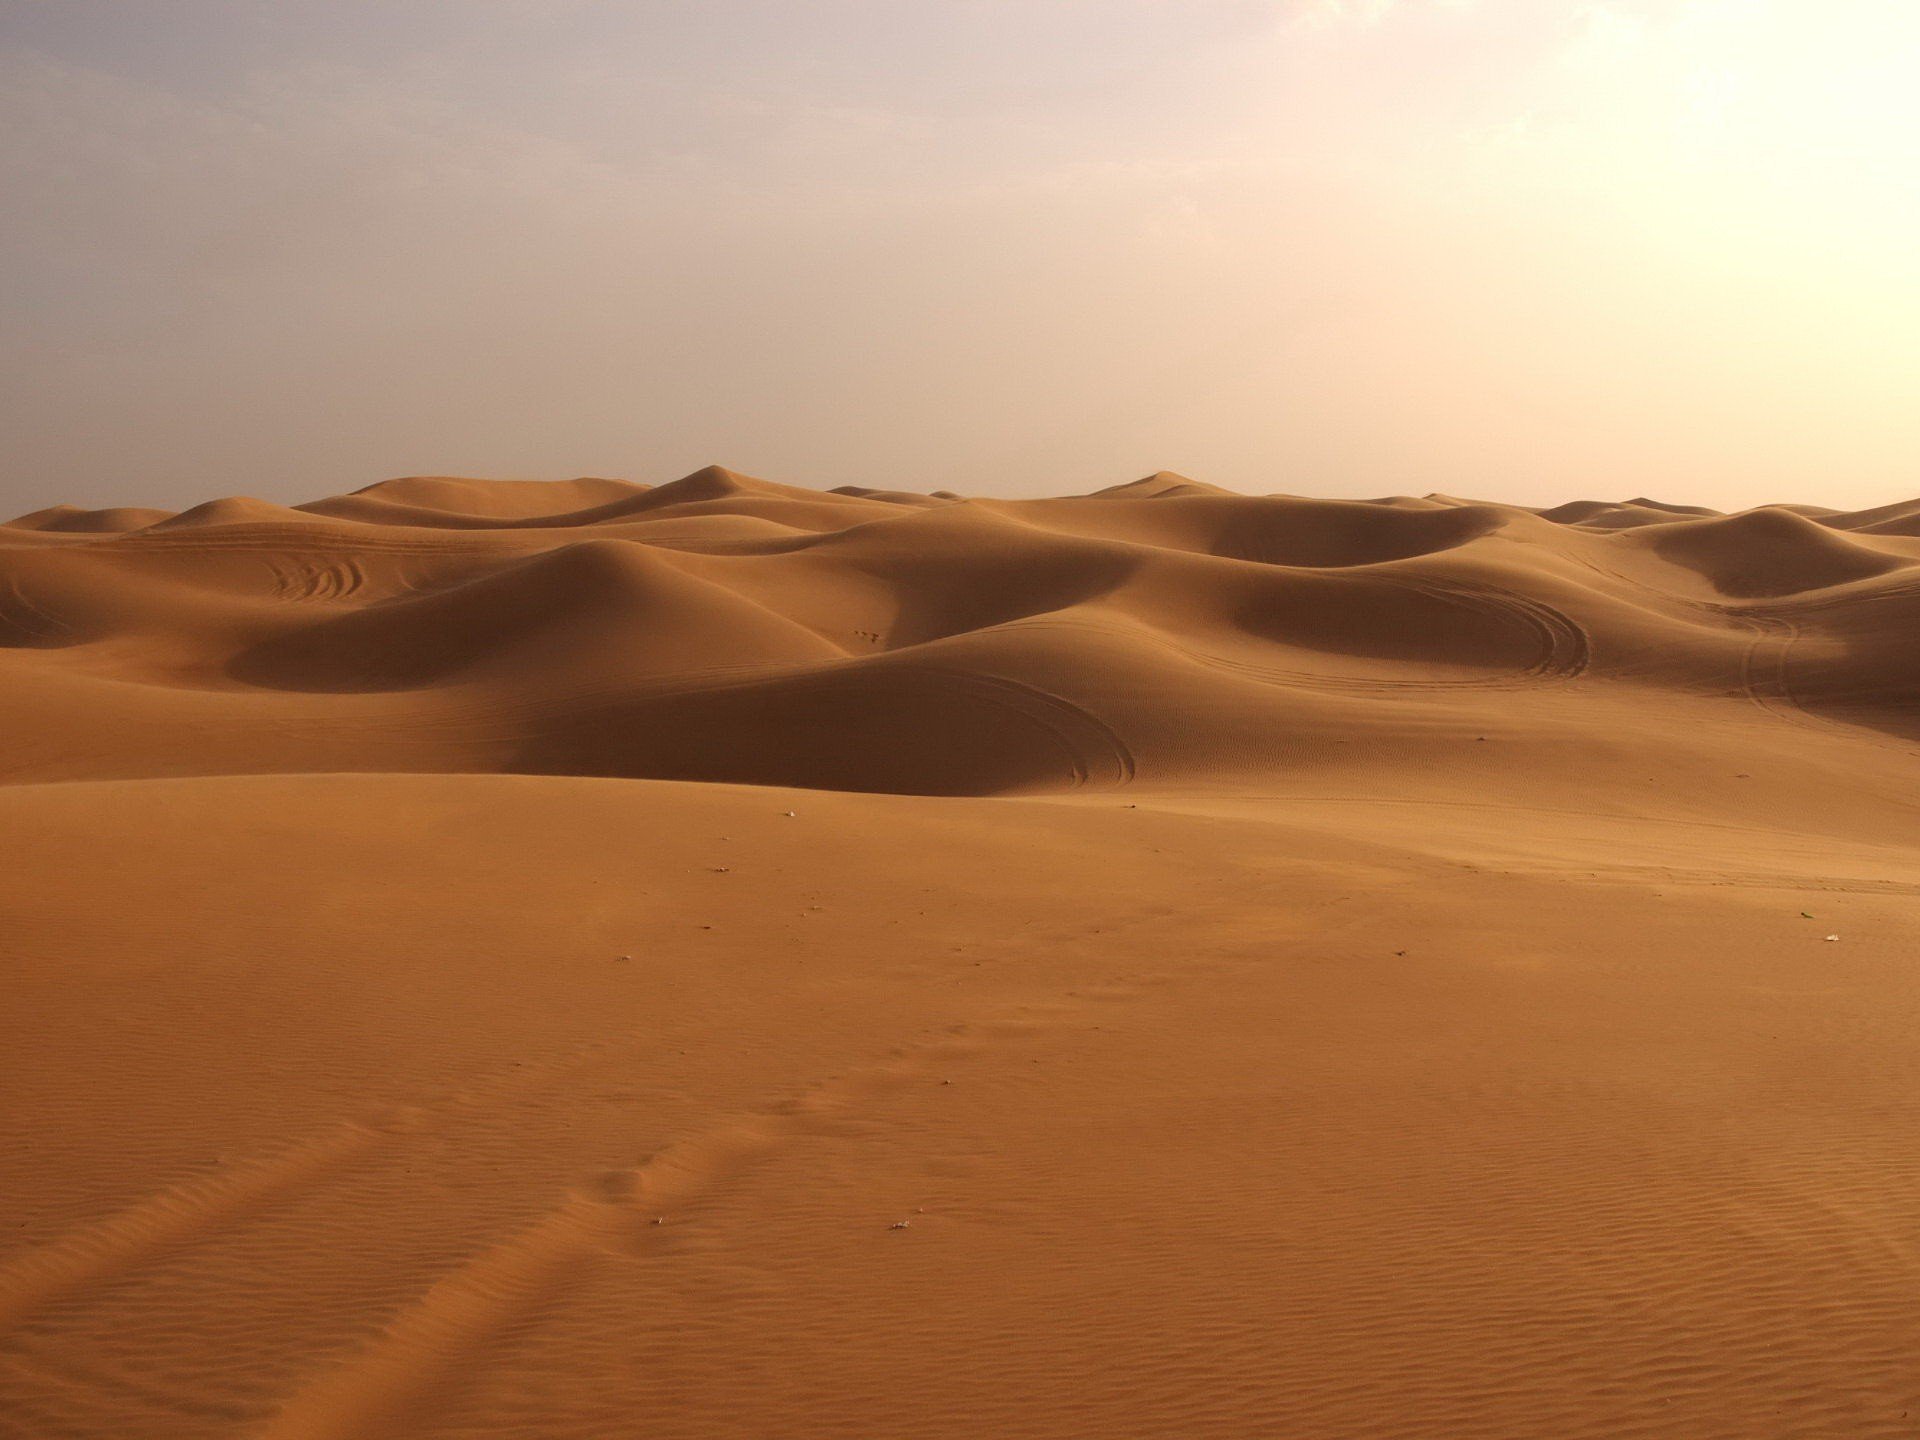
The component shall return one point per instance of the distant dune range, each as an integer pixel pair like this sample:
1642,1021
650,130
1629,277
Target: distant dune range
577,959
723,628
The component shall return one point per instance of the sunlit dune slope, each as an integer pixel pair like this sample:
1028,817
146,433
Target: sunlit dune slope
727,628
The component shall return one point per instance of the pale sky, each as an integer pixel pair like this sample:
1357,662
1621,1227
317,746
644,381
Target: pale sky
1528,250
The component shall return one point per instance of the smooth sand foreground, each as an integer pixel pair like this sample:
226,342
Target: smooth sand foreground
725,960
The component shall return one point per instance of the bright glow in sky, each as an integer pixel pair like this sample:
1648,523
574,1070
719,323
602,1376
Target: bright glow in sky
1519,249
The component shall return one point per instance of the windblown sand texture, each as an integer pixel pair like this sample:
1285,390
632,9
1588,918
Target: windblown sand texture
588,960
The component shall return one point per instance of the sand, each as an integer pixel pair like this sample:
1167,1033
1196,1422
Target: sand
723,959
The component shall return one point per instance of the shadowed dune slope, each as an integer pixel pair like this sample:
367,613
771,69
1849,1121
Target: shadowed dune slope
1900,518
494,499
723,627
1771,553
597,605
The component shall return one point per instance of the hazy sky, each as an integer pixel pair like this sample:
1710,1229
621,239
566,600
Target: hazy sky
1519,249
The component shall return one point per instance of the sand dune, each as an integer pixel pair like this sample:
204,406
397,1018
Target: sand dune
724,959
452,625
1772,553
74,519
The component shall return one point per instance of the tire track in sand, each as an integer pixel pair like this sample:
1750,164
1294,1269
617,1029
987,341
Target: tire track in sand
1564,648
198,1209
1765,678
174,1216
1095,751
320,578
394,1381
33,623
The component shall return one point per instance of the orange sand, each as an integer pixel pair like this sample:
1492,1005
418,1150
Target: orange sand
517,959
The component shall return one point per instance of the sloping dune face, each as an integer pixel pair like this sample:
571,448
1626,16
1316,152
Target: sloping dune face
517,961
731,629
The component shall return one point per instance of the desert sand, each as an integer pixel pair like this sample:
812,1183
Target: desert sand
723,959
